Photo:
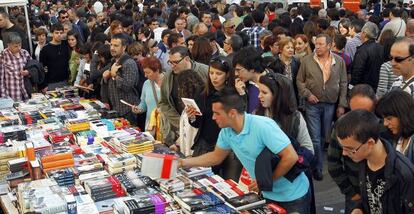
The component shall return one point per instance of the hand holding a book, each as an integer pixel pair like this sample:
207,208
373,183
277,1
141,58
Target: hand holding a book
253,186
136,110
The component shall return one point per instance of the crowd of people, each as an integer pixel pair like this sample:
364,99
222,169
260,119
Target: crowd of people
271,82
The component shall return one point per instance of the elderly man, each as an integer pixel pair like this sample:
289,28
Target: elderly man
12,61
368,58
322,80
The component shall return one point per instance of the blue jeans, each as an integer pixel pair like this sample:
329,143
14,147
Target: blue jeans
298,206
319,121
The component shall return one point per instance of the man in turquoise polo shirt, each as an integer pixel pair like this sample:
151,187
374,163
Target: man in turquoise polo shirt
247,135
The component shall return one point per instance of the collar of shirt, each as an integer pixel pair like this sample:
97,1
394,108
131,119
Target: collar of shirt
246,125
332,58
406,81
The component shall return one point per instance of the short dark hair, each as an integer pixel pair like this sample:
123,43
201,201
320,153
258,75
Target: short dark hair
359,124
250,58
357,24
258,16
123,37
400,104
56,27
173,38
340,41
363,90
165,32
183,10
183,51
230,99
4,14
248,21
236,42
396,12
62,12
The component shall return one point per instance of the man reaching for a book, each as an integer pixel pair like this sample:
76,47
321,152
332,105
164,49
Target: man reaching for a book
247,136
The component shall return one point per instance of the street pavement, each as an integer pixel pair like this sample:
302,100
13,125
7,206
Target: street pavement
329,199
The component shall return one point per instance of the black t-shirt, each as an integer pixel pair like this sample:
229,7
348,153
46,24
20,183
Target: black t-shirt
56,59
14,29
375,189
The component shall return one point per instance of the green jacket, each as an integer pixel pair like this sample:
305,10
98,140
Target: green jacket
171,117
310,80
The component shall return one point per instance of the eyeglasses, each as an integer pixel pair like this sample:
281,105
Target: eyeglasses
64,17
231,27
352,151
399,59
175,62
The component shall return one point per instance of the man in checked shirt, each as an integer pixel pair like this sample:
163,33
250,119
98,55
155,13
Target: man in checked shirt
12,61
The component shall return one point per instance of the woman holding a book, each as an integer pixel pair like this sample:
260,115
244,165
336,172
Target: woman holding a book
219,76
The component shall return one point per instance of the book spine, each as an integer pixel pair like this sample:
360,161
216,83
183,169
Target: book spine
58,163
58,167
57,157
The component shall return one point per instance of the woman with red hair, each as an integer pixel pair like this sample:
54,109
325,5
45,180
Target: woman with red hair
151,89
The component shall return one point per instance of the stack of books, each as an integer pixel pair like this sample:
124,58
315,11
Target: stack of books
127,141
176,184
117,163
191,201
57,161
86,162
59,135
196,171
135,184
93,176
142,204
103,189
78,125
63,177
40,196
8,154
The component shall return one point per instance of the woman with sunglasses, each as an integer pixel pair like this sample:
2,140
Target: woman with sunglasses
219,76
277,101
396,108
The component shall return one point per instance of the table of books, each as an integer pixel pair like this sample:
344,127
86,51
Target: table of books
63,154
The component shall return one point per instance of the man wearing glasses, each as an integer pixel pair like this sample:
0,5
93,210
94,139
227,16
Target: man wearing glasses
170,104
402,52
386,177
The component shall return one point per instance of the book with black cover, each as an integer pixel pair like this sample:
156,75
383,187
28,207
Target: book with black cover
246,201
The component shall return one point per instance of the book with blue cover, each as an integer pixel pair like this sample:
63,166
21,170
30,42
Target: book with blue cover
198,202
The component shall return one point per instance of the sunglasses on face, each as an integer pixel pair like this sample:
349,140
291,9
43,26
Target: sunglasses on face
399,59
64,17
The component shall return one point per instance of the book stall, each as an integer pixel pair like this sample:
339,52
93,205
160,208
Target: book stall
60,153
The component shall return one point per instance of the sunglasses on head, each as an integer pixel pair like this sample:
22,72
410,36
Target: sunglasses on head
399,59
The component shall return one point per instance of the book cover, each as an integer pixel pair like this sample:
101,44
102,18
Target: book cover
198,202
246,201
218,209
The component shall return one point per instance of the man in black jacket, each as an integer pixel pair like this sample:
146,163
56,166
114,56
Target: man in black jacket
368,58
386,177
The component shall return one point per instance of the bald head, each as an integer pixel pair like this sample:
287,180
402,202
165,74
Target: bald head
410,28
